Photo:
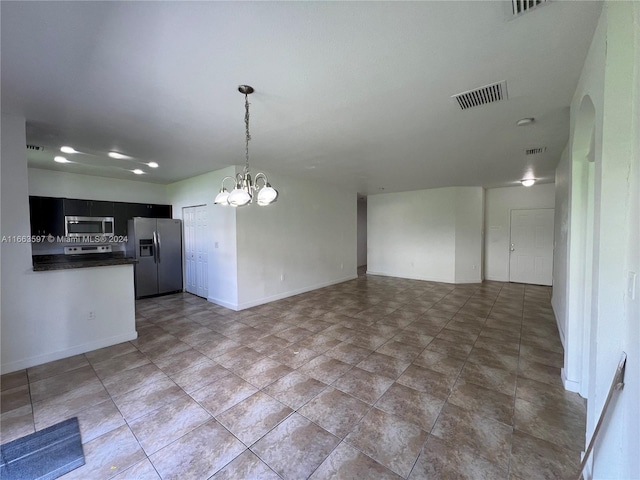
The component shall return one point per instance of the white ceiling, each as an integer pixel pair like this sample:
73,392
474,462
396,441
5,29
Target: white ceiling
354,93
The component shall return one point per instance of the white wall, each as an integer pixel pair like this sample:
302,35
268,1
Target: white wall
222,248
305,240
362,232
414,234
561,231
52,183
44,315
499,203
469,226
611,80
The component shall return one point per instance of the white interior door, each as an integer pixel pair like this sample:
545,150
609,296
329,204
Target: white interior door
189,228
202,252
531,258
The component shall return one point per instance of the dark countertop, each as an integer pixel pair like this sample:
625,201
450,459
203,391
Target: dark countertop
43,263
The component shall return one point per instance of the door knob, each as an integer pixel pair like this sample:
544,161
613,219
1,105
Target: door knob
513,247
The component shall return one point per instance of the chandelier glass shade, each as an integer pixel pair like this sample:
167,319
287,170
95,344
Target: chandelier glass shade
245,189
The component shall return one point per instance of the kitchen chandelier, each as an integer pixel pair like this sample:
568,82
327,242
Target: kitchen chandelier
245,189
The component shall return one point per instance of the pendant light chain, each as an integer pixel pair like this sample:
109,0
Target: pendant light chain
248,135
246,189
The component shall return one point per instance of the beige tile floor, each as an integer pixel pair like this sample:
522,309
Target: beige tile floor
373,378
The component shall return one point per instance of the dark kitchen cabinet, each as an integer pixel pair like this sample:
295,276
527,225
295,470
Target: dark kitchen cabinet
87,208
123,212
47,216
161,211
47,213
77,208
120,213
101,209
138,210
149,210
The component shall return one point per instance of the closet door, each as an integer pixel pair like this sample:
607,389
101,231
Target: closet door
202,251
189,229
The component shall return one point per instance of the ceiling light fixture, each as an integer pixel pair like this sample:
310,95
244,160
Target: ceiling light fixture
245,188
528,182
152,165
61,160
525,121
137,171
117,155
66,149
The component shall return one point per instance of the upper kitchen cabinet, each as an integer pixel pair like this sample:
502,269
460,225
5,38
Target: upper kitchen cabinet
138,210
101,209
123,212
147,210
87,208
161,211
47,216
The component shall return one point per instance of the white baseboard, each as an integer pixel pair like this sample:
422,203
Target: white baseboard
490,278
411,277
69,352
570,385
223,303
279,296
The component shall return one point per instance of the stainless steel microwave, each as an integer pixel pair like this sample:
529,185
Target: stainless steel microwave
83,226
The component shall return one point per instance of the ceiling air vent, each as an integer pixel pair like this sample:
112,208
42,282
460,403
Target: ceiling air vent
535,151
480,96
36,148
524,6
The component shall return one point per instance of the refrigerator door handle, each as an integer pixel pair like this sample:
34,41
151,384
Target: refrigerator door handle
155,248
159,246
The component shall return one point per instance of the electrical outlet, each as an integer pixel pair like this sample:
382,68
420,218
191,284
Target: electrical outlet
282,277
216,245
342,266
92,315
474,267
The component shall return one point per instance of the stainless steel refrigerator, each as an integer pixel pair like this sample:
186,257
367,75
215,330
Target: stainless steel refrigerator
157,245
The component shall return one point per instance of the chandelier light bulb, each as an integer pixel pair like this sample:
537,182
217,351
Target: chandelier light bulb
267,195
222,198
239,198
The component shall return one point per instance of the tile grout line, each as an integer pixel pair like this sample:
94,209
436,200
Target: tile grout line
457,377
515,393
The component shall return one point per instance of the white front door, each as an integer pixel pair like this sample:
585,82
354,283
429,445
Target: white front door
531,256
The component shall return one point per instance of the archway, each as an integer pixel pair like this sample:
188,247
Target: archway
577,348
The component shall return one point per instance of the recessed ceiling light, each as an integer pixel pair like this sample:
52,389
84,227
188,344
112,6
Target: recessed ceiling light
137,171
152,164
525,121
117,155
528,182
61,160
66,149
